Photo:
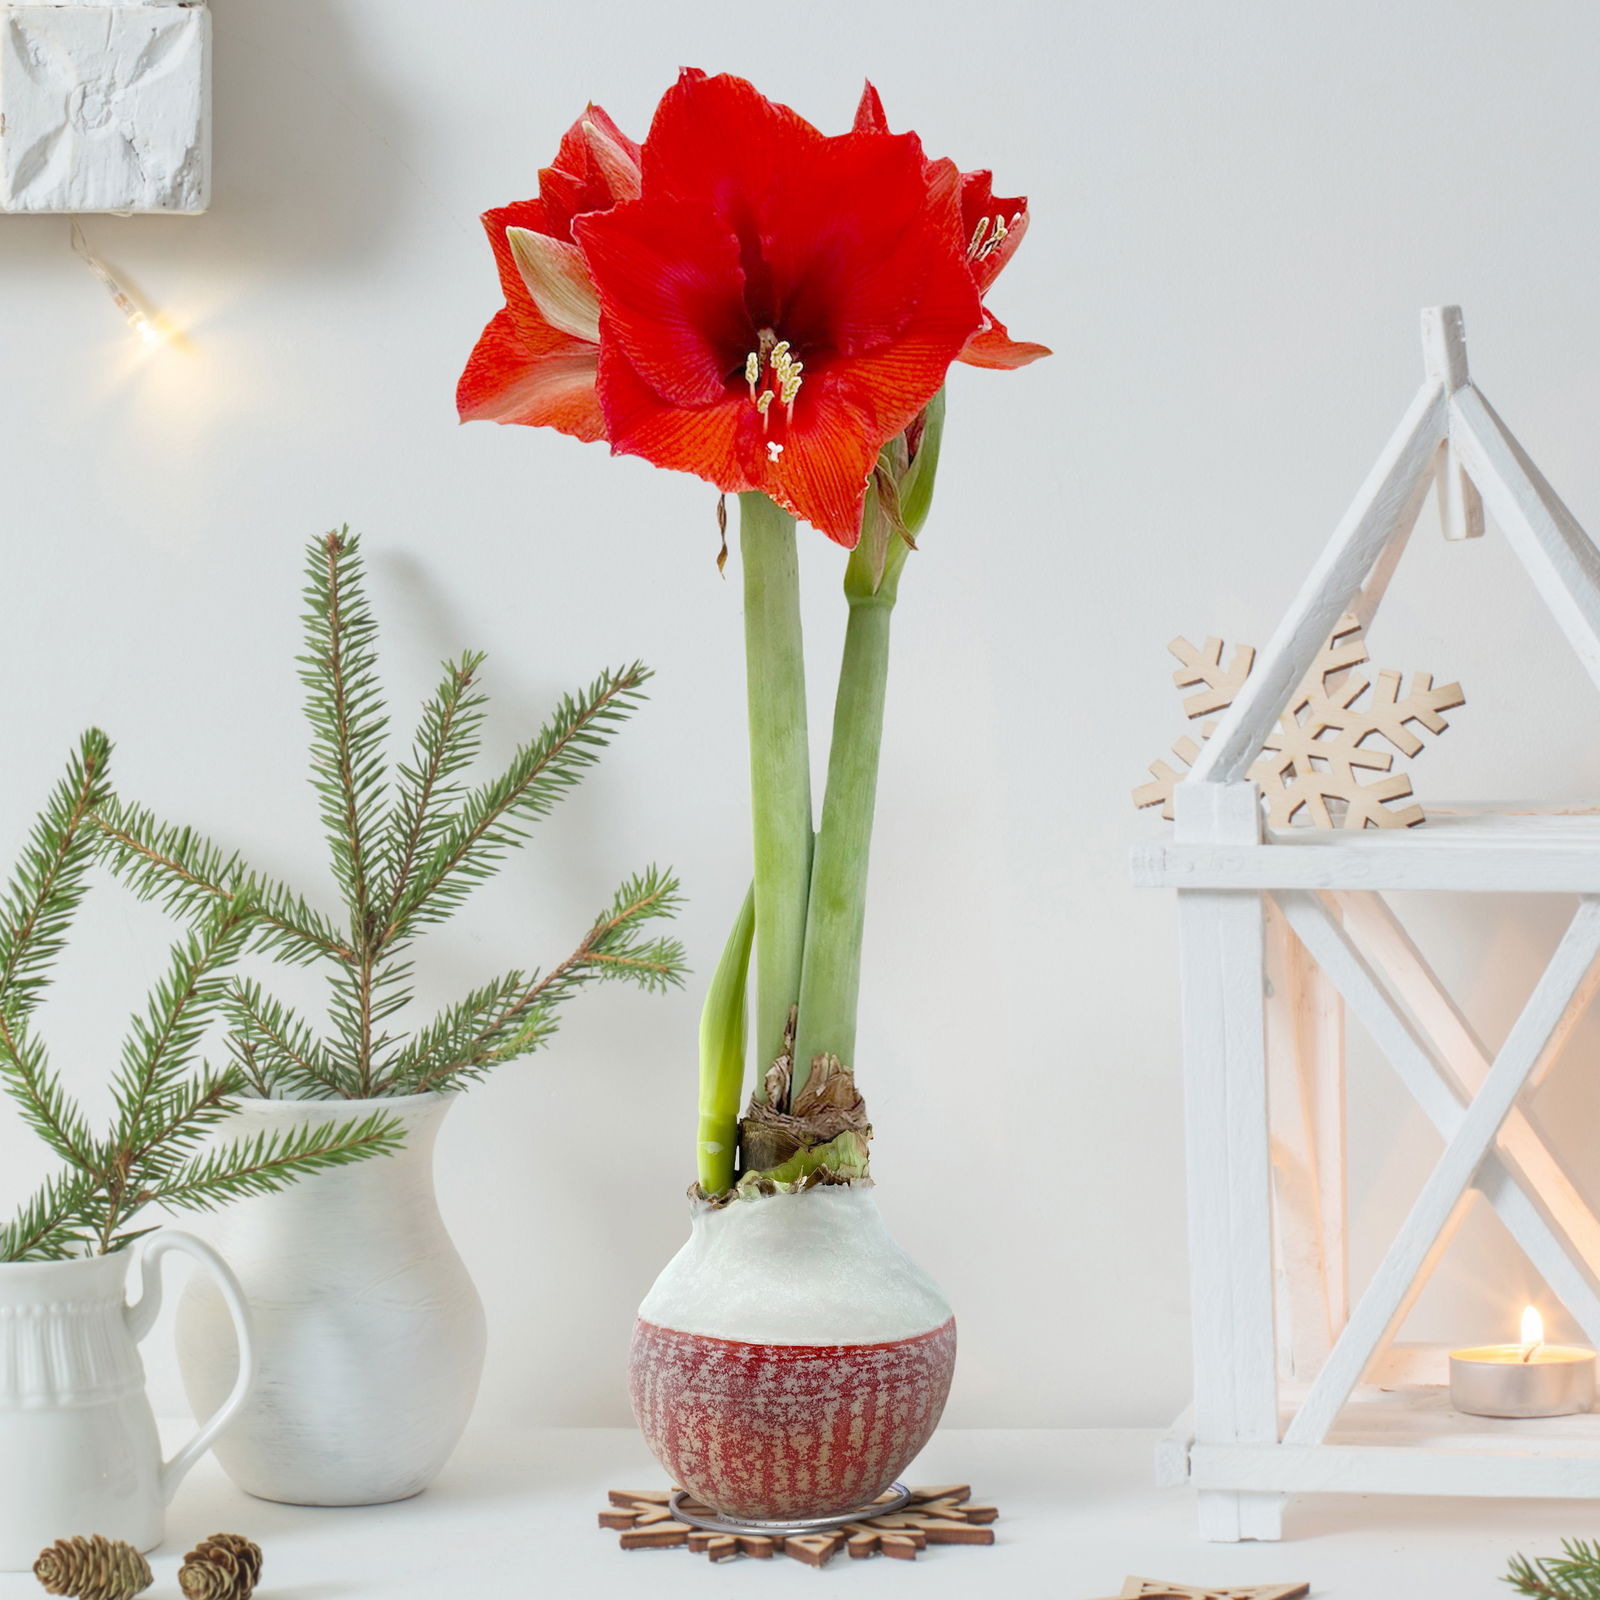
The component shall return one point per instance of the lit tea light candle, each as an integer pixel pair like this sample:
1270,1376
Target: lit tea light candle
1529,1379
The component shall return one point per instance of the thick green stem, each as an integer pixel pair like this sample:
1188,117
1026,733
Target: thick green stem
722,1055
780,765
838,908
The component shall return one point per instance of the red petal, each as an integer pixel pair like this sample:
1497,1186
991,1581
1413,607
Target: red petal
616,159
993,347
821,474
869,113
856,237
530,214
671,294
504,382
720,140
577,182
700,439
981,205
872,268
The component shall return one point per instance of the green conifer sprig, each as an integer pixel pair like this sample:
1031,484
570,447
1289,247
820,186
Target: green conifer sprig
1573,1575
166,1101
48,883
190,877
406,849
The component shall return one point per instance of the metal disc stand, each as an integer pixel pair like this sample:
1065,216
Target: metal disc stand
893,1499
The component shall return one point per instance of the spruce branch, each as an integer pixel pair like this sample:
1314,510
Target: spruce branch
459,1044
55,1224
49,881
447,741
401,864
344,706
274,1047
162,1041
52,1113
180,1117
165,1105
515,1015
496,817
1573,1575
360,1004
188,875
271,1161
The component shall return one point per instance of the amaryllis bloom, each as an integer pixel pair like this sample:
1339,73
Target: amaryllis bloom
536,361
776,304
993,228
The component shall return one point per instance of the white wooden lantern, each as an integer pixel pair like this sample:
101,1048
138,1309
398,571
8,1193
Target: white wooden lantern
1299,1389
105,107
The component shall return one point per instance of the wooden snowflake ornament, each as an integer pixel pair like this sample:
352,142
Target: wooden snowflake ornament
643,1520
1325,764
1152,1589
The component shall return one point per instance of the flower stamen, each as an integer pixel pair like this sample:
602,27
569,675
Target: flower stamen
989,235
773,357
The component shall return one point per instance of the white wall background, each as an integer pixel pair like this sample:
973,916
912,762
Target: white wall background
1238,209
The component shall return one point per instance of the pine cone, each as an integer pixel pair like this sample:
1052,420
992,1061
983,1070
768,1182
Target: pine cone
227,1566
93,1569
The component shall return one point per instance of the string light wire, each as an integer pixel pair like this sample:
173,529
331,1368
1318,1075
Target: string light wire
137,318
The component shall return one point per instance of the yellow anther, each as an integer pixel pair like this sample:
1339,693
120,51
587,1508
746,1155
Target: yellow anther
752,371
780,352
989,235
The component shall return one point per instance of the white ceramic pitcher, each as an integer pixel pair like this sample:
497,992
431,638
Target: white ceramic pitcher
78,1447
370,1331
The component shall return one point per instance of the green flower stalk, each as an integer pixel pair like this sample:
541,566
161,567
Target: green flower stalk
806,1121
830,991
780,763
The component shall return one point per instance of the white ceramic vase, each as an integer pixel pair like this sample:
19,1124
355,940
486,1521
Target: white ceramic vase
369,1331
78,1446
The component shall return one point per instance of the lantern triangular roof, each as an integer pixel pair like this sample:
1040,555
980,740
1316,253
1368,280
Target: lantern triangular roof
1450,436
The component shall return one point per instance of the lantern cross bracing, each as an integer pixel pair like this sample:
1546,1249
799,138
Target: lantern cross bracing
1280,932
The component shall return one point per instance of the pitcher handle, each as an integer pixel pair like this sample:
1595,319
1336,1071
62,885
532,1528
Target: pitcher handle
142,1316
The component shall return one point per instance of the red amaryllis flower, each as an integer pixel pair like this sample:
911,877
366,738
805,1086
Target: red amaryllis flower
536,361
993,228
776,304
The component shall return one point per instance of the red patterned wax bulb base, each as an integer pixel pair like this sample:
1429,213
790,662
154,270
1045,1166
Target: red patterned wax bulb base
767,1432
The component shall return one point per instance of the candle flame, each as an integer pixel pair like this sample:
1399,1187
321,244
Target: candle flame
1532,1332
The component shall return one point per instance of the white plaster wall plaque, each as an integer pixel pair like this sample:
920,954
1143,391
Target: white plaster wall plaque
105,107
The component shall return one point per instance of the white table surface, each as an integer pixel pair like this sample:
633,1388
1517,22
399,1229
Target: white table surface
514,1515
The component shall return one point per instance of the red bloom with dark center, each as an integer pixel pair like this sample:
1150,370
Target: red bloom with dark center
776,304
536,361
993,228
